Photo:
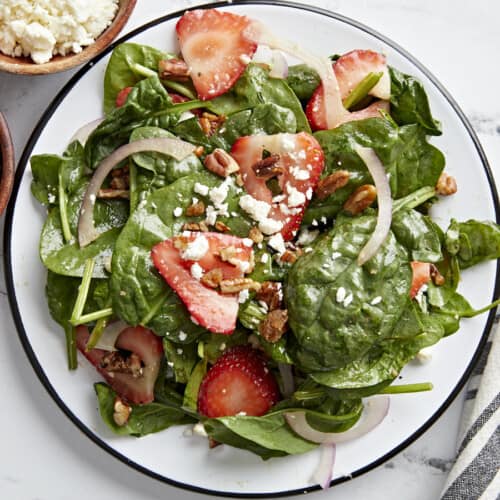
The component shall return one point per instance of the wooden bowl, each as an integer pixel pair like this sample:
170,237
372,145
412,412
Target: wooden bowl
7,166
25,66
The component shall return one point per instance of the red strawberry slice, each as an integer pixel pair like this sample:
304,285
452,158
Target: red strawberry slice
139,340
122,96
301,160
212,310
239,382
421,276
349,70
215,48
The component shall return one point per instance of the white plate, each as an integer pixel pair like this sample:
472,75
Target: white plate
187,462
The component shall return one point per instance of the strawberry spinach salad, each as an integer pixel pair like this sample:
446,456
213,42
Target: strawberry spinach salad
248,246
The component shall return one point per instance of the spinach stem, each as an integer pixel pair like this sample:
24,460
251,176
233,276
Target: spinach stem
132,175
93,316
70,333
477,312
154,309
407,388
63,201
179,88
361,90
96,334
414,199
308,395
83,291
141,70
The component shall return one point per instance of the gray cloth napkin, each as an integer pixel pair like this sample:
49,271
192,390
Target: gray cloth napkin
475,474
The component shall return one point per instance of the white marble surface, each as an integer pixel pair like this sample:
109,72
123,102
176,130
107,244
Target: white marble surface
44,457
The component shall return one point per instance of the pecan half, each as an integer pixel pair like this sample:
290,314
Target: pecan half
255,235
223,228
270,293
267,167
212,278
110,194
239,284
199,150
274,325
173,69
290,256
120,178
221,163
115,361
121,412
195,226
446,185
210,123
361,199
437,278
195,209
331,183
232,255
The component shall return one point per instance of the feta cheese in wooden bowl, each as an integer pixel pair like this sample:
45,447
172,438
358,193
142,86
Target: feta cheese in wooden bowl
38,37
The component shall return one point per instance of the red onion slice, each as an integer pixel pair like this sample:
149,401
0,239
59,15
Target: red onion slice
173,147
323,474
82,134
384,200
376,409
287,377
109,336
335,111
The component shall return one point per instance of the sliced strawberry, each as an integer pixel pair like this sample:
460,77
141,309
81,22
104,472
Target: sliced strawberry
212,310
301,160
239,382
421,276
349,70
122,96
146,345
215,48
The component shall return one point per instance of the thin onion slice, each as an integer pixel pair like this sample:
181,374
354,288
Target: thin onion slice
82,134
279,66
323,474
335,111
173,147
109,336
287,378
376,409
384,200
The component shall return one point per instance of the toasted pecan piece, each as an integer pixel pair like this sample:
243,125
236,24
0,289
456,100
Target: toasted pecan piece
332,183
274,325
361,199
221,163
271,294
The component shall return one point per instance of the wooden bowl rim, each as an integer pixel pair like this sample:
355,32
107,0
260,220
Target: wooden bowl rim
24,66
7,167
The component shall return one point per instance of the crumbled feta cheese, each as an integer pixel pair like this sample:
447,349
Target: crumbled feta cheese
196,271
295,197
309,193
182,336
219,194
424,355
201,189
44,28
211,215
270,226
376,300
265,258
199,429
179,351
243,296
277,243
257,209
196,249
341,293
348,300
306,236
248,242
279,198
177,211
335,255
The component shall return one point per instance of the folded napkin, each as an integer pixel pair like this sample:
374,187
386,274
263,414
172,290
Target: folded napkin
476,472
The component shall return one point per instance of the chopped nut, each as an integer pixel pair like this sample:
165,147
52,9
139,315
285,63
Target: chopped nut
267,167
255,235
361,199
239,180
290,256
221,163
195,226
199,150
220,226
238,284
232,255
446,185
181,242
330,184
120,178
212,278
274,325
195,209
270,293
121,412
173,69
116,362
437,278
210,123
110,194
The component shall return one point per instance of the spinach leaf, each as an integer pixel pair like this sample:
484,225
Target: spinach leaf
144,419
303,80
409,159
140,295
193,385
329,296
214,344
409,103
254,87
181,358
473,242
120,73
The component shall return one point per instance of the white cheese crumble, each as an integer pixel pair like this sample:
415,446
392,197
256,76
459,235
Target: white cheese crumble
424,355
182,336
43,28
341,293
277,242
376,300
270,226
295,197
306,237
265,258
196,271
201,188
196,249
177,211
348,300
257,209
243,296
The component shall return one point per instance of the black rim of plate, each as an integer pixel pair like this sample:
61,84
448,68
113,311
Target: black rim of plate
12,291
